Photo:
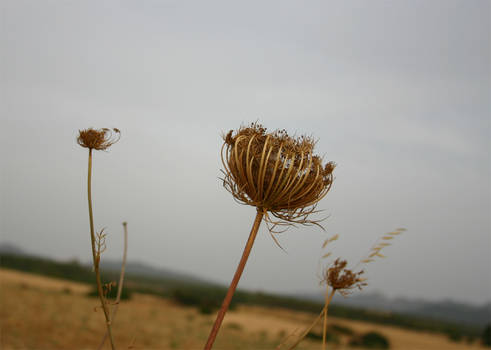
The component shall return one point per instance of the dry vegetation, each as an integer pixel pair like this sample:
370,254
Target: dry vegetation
277,174
45,313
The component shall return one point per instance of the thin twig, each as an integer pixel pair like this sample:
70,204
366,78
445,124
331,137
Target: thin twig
120,285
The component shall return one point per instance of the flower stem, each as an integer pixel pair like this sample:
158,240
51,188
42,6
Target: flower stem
96,256
235,280
324,329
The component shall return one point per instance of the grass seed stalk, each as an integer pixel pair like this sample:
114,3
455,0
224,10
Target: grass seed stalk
338,278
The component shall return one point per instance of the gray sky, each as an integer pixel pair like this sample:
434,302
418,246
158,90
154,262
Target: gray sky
396,92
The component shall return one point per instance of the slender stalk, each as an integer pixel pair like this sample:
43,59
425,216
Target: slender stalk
304,334
235,280
120,285
326,308
95,256
280,345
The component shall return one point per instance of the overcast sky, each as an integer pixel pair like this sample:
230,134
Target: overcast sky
396,92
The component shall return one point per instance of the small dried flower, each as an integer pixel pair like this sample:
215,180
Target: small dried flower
275,173
98,139
339,278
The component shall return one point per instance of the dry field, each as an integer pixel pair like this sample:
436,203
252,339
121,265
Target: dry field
45,313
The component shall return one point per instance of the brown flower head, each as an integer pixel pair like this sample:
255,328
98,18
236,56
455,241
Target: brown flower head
98,139
338,277
275,173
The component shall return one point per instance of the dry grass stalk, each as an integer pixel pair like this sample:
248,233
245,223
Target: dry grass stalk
98,139
309,328
277,174
380,244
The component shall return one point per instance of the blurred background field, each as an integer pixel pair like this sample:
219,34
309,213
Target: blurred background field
50,307
397,93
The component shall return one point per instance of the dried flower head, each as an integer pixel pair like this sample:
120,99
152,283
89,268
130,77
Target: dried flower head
98,139
339,278
275,173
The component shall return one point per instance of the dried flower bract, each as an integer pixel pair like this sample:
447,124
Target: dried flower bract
275,173
98,139
339,278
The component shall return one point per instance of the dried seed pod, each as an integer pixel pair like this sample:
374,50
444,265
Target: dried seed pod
341,279
275,173
98,139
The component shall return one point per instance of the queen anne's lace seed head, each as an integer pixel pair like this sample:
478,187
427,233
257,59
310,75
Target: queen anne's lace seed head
98,139
341,279
275,173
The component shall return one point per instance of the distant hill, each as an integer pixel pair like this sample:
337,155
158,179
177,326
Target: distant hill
443,310
113,267
145,276
146,270
7,248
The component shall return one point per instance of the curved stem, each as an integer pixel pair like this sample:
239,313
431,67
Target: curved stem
120,285
235,280
96,257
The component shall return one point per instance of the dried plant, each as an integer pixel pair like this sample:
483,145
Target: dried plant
98,139
341,279
276,173
279,175
338,278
